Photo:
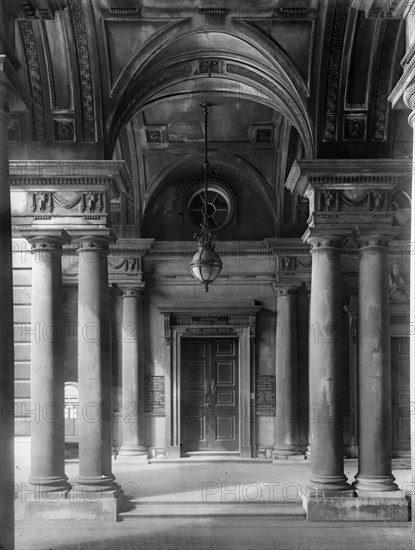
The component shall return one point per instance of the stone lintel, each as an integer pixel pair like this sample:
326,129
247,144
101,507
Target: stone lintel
344,507
70,175
343,174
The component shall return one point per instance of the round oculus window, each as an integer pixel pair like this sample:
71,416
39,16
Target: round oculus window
220,206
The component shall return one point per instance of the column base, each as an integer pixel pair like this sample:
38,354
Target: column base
327,485
49,485
367,484
78,504
101,484
342,506
287,452
132,454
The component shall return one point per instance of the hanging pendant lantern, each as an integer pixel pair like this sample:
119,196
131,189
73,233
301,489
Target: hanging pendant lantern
206,263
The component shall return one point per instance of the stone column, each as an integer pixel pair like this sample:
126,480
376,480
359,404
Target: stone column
47,428
286,379
409,99
132,372
94,365
326,418
6,341
375,416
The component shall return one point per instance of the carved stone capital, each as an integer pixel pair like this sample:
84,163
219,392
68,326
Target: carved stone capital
372,239
319,244
132,292
50,241
96,242
372,243
282,290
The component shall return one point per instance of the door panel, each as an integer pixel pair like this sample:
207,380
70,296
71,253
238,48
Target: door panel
194,373
209,395
401,437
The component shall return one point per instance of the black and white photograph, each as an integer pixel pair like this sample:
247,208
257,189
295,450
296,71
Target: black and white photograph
207,277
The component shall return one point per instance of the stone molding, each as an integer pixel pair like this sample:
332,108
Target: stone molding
57,174
345,175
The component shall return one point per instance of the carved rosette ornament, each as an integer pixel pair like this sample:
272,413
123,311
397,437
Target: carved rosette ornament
375,242
95,244
324,243
46,245
284,290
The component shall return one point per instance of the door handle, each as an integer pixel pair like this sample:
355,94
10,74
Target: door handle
206,387
213,387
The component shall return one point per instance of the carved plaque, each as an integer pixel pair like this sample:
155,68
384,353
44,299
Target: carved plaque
211,330
265,395
155,396
209,319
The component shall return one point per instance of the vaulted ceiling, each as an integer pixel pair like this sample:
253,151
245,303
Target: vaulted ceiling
286,79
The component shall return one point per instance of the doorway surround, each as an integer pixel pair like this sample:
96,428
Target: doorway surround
206,320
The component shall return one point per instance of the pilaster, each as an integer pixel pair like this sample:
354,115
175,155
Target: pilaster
132,373
286,375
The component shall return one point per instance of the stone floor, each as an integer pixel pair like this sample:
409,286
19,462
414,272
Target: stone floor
193,504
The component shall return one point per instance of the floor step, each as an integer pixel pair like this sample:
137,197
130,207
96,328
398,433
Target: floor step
161,509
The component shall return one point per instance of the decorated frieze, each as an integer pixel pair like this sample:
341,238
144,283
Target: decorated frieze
67,193
348,194
373,200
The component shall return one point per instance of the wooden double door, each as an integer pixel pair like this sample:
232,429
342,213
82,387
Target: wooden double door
209,394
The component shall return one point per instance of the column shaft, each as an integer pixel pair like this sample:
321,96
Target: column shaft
326,422
132,372
375,417
6,341
286,381
47,427
94,365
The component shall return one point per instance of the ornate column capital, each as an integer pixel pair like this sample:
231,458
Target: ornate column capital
47,239
320,243
96,241
281,290
132,291
374,238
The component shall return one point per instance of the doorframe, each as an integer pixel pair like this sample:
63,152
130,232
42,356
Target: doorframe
211,321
